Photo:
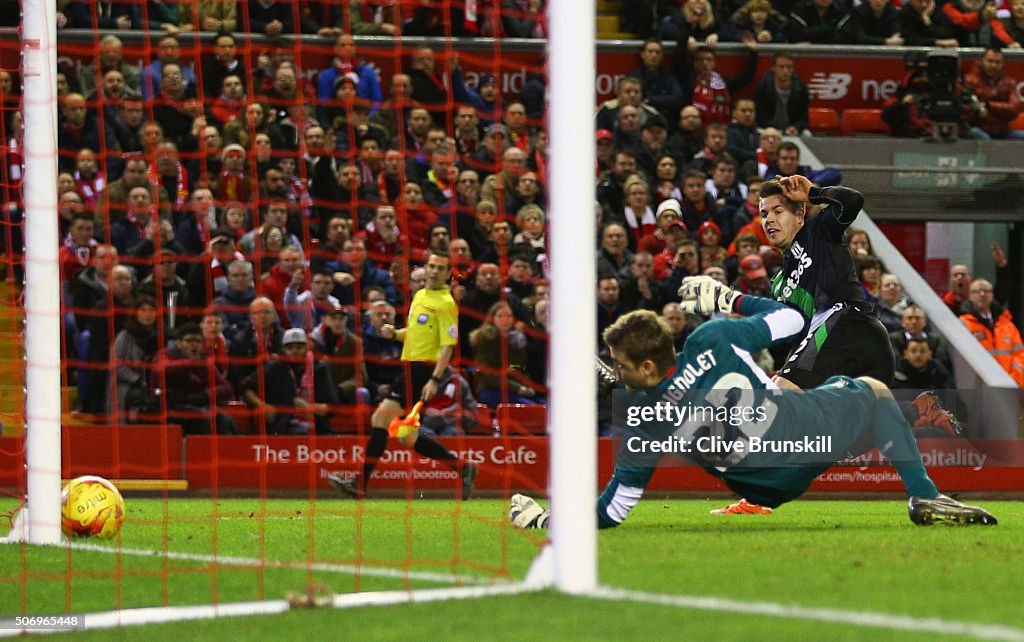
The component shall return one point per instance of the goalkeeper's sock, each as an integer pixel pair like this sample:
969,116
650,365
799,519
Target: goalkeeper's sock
374,449
894,439
427,447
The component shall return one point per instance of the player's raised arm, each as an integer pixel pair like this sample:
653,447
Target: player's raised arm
767,321
847,203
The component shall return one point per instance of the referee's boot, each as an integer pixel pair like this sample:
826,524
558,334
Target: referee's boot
742,507
349,486
946,510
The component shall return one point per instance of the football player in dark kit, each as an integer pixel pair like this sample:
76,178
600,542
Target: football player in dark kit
818,278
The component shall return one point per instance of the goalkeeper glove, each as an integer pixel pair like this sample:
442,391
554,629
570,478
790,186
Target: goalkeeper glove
606,379
704,295
526,513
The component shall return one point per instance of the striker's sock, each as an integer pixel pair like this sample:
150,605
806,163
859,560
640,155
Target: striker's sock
375,447
427,447
894,438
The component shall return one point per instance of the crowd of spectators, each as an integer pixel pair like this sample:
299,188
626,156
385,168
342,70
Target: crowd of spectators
954,23
220,213
213,208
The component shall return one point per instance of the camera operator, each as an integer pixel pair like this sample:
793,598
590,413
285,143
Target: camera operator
931,102
996,93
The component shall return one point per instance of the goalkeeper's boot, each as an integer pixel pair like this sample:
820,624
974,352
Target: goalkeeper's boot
468,473
350,486
925,512
931,413
742,507
525,513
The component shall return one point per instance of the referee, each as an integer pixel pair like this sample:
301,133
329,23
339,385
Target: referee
428,344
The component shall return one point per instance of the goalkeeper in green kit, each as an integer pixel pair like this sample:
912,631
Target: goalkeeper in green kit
712,405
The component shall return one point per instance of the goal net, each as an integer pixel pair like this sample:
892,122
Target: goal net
248,202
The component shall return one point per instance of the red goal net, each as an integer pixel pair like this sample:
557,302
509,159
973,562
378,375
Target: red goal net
249,197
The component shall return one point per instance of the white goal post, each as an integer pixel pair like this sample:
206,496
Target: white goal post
42,278
572,410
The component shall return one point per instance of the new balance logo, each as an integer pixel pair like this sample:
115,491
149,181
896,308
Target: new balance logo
830,86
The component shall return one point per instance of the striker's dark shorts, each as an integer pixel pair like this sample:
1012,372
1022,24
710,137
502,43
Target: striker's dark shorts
408,385
851,342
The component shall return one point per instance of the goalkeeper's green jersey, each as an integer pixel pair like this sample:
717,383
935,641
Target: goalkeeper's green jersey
725,404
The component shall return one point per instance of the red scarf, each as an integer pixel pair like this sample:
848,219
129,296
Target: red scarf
762,162
382,188
218,351
304,387
130,217
232,187
466,145
343,67
90,188
180,190
469,22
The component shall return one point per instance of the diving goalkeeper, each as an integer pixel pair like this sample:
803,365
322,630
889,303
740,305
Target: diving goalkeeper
716,370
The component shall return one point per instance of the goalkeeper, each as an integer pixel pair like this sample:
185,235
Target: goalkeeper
715,369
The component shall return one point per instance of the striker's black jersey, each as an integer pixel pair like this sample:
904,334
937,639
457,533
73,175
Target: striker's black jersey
818,270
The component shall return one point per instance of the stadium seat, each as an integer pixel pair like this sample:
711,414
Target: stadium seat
243,417
823,120
520,419
864,121
350,419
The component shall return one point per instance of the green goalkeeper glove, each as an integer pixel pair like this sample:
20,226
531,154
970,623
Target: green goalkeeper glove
526,513
704,295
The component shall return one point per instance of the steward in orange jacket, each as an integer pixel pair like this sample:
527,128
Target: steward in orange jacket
999,336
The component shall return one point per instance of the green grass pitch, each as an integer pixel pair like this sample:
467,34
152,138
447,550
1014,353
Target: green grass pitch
845,555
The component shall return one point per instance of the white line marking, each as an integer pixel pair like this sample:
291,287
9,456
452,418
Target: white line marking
251,562
870,619
164,614
125,617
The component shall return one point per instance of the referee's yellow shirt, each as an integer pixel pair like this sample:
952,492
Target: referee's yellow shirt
433,323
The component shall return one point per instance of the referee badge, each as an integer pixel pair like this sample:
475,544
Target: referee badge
422,319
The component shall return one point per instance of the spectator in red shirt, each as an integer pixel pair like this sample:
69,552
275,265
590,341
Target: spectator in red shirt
998,95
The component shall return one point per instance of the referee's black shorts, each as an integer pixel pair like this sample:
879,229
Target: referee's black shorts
408,385
851,342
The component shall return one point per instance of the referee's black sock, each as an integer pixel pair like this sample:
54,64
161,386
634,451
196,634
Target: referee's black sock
427,447
374,449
